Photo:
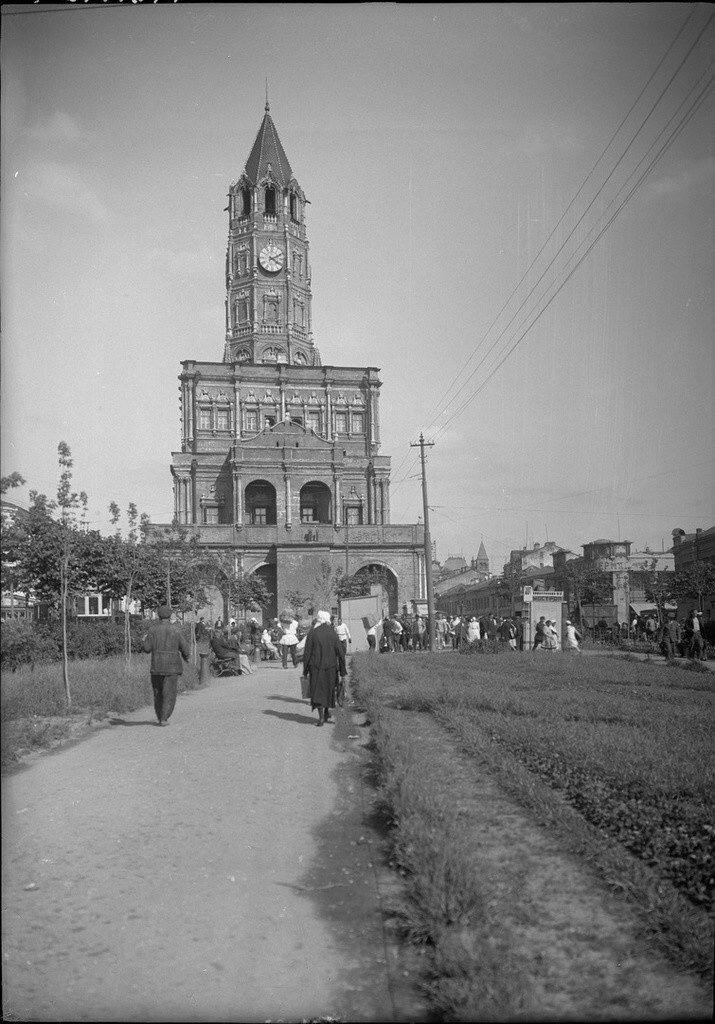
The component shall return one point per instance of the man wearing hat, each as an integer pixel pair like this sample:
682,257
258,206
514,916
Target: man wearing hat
167,647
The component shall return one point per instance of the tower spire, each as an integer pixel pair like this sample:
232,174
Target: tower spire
268,106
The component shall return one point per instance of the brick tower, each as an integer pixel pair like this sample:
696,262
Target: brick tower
279,459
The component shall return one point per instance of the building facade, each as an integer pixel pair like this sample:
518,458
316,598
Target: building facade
280,458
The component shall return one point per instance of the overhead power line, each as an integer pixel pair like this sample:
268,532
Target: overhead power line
557,284
561,219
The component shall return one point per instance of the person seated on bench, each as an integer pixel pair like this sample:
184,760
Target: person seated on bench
227,649
268,646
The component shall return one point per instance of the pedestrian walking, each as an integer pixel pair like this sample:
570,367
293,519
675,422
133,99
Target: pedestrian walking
418,633
670,637
519,627
572,637
343,635
167,648
395,627
288,641
551,637
697,646
473,634
539,632
323,663
372,638
507,633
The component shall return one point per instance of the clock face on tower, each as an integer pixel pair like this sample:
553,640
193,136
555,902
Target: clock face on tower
271,258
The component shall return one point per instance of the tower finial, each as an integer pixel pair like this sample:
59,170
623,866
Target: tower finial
267,103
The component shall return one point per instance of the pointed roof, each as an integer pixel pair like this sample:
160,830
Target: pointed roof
482,553
267,149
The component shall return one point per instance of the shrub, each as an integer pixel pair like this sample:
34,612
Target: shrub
38,643
24,644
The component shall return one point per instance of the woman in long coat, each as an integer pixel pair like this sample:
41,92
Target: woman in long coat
323,661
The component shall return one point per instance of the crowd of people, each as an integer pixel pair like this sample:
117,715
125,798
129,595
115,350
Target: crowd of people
468,632
284,639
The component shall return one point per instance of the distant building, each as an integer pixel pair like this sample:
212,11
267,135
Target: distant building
541,556
455,563
625,577
687,550
456,573
481,562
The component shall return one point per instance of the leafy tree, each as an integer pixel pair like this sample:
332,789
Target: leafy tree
10,543
250,590
57,556
8,482
658,586
587,584
123,572
361,582
695,582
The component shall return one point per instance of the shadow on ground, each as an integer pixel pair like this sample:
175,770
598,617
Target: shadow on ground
352,888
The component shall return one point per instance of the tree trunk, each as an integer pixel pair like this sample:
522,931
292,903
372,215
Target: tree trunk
65,663
127,628
194,646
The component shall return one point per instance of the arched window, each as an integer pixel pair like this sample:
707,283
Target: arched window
293,206
245,202
260,503
316,505
270,204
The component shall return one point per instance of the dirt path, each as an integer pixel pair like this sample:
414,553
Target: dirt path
217,869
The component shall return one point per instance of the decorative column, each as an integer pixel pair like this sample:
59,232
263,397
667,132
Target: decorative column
237,410
184,499
192,494
328,415
374,425
387,501
337,517
289,520
370,496
191,395
237,498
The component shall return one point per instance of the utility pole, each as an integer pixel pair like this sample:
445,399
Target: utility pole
428,543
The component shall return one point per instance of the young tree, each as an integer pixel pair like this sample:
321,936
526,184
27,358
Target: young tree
361,582
124,567
323,585
658,586
587,584
695,582
72,508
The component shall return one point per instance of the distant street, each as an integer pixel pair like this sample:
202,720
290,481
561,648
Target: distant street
217,869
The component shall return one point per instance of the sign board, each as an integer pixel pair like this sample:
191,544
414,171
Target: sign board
356,612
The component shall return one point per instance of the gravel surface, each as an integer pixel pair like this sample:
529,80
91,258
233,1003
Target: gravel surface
222,868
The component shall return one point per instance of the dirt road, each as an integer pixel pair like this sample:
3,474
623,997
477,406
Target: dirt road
218,869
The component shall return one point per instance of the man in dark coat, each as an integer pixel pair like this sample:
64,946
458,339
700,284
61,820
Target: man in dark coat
323,661
167,647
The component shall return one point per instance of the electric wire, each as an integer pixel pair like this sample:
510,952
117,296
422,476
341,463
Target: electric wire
686,118
694,108
580,189
580,219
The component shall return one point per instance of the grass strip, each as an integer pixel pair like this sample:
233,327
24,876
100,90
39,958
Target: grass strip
32,701
605,720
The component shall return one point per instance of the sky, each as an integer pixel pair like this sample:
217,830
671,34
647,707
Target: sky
460,160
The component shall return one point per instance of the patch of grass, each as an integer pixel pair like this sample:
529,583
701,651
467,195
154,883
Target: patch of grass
614,756
33,705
